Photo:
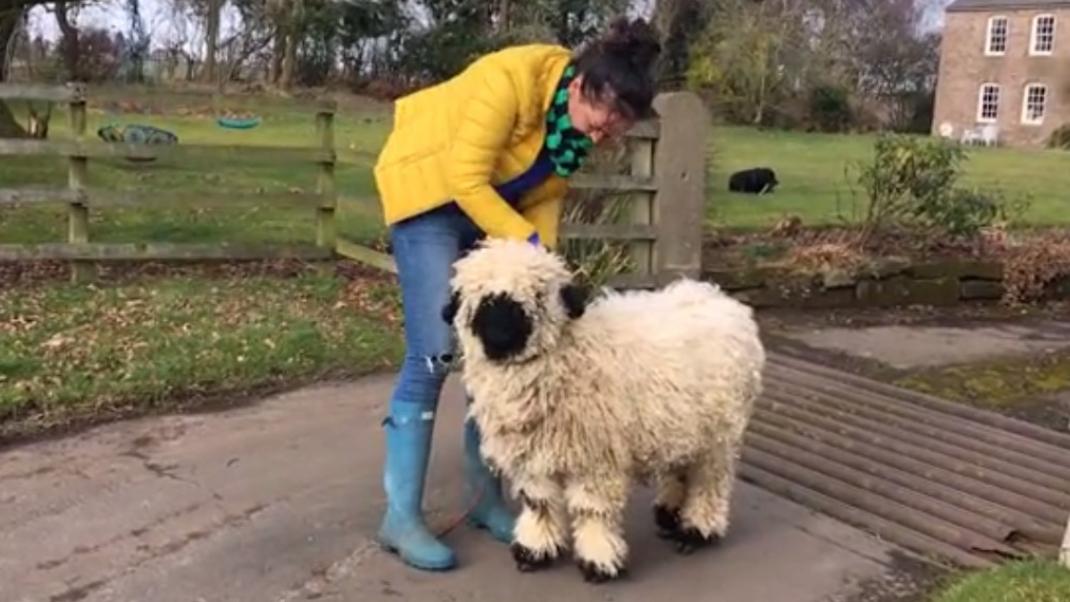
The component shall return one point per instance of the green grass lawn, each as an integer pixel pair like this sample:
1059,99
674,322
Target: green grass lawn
1035,581
74,354
811,168
814,185
360,128
70,353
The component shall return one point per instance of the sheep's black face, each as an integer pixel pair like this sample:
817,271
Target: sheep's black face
502,326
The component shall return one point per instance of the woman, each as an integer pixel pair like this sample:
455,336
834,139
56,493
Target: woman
486,153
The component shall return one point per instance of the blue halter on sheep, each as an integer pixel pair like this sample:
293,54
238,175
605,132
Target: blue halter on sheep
580,398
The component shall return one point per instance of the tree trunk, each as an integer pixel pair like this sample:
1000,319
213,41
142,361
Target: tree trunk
504,17
289,59
215,7
678,21
9,24
9,128
70,43
276,55
759,109
291,28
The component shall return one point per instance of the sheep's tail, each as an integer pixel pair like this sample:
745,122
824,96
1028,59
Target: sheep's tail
688,293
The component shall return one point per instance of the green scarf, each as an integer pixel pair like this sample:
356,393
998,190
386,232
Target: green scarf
566,146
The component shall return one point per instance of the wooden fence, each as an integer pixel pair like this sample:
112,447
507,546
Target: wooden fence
666,185
79,198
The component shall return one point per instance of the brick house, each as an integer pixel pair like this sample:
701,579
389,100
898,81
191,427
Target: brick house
1004,69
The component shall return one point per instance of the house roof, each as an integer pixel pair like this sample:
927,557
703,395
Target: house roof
966,5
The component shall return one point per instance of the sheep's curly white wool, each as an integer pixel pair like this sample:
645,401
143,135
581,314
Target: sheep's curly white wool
651,387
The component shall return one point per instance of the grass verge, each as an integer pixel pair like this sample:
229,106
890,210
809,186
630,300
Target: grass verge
75,354
1032,581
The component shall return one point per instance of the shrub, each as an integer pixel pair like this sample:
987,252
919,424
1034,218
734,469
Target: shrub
598,261
830,107
1060,138
911,183
913,111
1029,268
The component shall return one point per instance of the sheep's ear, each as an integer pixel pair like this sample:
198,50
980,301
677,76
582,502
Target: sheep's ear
575,298
449,312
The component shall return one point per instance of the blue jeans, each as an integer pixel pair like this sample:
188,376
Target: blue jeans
425,248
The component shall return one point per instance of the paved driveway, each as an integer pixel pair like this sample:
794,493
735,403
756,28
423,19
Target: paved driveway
278,501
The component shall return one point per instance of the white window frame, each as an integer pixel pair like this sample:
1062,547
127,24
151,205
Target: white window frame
1033,35
1006,35
1025,104
981,102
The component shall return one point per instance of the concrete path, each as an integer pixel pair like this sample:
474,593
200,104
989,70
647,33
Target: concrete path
914,346
279,501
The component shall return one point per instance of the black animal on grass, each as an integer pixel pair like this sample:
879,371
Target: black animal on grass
758,180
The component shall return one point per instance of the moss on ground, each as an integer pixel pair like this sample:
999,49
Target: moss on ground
995,384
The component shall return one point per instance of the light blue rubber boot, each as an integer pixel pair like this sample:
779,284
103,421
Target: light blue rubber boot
408,448
490,513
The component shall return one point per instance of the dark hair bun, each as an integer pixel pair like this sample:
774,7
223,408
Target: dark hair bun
619,65
634,40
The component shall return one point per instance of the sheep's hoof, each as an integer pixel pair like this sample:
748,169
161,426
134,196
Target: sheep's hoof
690,540
668,521
528,560
592,573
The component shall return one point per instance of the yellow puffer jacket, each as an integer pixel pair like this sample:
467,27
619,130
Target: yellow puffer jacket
455,140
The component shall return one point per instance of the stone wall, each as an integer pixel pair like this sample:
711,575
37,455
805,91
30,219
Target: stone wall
891,283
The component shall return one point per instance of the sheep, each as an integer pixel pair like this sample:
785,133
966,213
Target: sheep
758,180
579,398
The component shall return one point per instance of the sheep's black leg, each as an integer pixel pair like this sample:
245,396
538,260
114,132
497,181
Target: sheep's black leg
690,539
703,517
541,530
667,519
597,508
672,489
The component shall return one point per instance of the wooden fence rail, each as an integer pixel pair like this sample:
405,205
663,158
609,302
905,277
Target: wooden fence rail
79,198
665,187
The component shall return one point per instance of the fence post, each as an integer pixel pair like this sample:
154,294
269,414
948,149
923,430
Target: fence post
326,233
78,174
642,209
680,176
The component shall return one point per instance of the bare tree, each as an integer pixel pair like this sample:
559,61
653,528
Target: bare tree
679,22
214,8
11,15
291,28
69,44
139,42
286,16
253,38
743,54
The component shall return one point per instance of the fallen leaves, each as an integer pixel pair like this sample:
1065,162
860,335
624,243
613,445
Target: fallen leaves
73,352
